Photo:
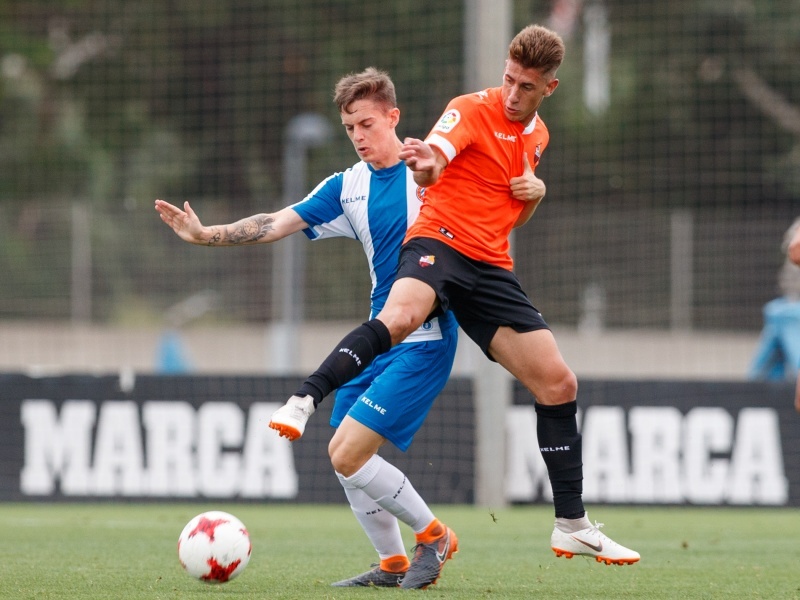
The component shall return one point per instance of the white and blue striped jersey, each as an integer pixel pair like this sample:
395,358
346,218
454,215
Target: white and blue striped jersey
375,207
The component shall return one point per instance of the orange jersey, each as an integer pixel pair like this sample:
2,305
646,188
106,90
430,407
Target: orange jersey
471,207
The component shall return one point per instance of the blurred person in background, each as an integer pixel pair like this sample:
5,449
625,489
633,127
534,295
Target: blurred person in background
373,202
793,252
792,246
777,356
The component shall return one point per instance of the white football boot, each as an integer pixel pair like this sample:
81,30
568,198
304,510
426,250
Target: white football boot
591,542
291,418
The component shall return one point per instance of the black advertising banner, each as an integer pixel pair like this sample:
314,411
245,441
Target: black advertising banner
84,437
667,442
81,437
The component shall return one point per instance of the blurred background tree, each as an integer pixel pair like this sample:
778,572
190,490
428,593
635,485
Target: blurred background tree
111,104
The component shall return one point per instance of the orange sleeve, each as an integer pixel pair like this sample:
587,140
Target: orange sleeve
452,132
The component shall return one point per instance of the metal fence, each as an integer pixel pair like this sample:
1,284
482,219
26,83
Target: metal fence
672,171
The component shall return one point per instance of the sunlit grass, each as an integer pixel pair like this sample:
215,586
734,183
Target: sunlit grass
120,550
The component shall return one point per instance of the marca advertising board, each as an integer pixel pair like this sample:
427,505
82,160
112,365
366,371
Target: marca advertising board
664,442
83,437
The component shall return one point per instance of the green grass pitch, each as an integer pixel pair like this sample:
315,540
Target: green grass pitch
119,550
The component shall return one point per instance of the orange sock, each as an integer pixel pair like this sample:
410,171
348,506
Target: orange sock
395,564
432,532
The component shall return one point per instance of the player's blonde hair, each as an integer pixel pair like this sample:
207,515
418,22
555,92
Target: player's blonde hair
537,47
369,84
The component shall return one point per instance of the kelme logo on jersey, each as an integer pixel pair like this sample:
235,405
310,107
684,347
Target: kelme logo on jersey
448,121
505,136
426,261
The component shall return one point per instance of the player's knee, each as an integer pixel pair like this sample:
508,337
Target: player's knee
561,388
345,462
333,446
570,387
400,323
345,459
338,459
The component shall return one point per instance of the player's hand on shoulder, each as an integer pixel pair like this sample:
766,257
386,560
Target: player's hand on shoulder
527,187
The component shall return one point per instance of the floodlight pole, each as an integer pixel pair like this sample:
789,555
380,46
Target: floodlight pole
304,131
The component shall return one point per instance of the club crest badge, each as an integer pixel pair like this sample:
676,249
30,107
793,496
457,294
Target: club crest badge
427,261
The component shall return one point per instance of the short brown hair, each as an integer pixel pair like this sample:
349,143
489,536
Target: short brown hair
369,84
537,47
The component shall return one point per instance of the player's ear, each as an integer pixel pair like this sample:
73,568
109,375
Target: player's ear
551,87
394,116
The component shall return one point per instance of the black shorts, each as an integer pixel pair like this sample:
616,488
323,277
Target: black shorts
482,296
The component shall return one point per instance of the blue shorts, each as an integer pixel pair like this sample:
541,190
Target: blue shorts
396,391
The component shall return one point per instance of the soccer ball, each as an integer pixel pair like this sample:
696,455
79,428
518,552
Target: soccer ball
214,547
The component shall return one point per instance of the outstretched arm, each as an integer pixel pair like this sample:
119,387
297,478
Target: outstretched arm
262,228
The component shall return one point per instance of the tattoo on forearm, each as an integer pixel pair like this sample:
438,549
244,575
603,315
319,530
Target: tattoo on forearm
214,239
250,229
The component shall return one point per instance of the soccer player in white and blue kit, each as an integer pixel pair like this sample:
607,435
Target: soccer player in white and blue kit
372,202
392,397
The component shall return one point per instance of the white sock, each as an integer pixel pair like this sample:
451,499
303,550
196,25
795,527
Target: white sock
381,526
573,525
391,489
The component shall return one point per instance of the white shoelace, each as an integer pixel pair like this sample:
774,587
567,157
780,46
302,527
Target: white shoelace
596,527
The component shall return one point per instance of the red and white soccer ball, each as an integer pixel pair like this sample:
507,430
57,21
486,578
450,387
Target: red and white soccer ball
214,547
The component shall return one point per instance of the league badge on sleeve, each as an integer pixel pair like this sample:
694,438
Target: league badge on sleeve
448,121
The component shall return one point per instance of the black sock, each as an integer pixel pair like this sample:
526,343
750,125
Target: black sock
352,355
560,445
